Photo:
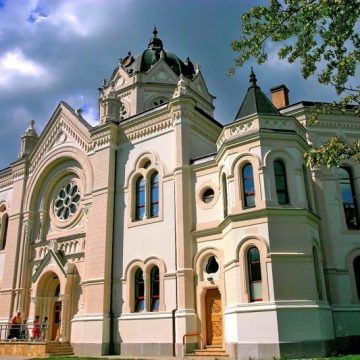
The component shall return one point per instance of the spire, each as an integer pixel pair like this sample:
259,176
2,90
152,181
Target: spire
155,43
253,78
255,101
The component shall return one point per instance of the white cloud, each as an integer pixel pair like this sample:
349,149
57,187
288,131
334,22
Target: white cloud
91,115
13,65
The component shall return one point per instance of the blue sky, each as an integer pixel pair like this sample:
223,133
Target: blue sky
61,50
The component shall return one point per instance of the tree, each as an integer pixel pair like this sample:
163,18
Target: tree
323,35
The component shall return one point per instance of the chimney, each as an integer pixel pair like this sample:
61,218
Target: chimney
279,95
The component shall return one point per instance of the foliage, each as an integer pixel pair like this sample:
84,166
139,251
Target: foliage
323,35
314,31
332,152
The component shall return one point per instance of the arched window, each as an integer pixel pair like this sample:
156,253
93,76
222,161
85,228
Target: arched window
154,289
317,275
154,195
254,274
139,291
140,198
248,186
280,182
356,265
4,221
348,198
225,196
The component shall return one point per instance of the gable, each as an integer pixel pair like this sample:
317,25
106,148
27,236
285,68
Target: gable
65,128
199,86
161,73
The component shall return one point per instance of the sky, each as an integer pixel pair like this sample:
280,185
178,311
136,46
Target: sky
62,50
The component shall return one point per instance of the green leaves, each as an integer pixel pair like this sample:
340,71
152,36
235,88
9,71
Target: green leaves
322,35
332,153
316,32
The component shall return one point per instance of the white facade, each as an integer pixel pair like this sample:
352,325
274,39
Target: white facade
160,226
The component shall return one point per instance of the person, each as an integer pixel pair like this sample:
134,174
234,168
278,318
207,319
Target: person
36,332
24,333
43,328
15,325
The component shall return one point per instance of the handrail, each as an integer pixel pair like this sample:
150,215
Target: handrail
21,332
193,334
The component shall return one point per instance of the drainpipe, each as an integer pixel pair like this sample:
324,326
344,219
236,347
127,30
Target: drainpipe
112,321
176,287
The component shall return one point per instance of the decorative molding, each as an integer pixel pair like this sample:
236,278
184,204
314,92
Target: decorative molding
6,179
60,134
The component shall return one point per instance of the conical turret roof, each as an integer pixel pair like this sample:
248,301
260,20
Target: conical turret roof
255,101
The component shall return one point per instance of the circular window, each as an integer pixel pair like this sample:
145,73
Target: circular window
208,195
67,201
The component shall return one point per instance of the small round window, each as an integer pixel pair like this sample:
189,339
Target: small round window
208,195
67,201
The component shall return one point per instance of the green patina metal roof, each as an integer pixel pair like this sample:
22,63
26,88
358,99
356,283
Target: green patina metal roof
255,101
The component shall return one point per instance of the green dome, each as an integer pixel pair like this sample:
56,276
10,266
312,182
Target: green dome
154,52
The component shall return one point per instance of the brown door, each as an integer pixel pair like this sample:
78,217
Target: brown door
214,325
57,321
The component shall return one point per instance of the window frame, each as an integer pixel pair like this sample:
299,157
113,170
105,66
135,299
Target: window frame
285,189
248,194
4,222
154,203
225,195
154,281
350,182
138,298
140,205
250,273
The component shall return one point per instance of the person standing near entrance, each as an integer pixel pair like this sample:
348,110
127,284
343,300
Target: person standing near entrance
43,326
15,326
36,332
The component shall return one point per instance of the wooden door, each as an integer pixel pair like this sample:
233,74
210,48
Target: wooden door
56,321
214,324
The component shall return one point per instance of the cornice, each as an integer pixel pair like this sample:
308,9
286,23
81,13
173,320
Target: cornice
6,178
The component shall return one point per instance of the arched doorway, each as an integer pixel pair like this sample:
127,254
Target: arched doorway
49,305
214,323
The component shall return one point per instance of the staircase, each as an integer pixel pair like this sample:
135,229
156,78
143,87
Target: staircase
210,352
57,348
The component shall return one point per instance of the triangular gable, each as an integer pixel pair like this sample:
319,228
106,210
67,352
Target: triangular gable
120,78
161,72
51,257
64,126
198,84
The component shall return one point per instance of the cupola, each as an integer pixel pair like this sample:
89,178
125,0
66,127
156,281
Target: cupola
29,140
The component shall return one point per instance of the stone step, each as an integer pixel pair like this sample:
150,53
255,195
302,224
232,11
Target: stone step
210,351
55,348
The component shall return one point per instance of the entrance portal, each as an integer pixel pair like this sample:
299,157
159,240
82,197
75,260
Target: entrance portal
214,324
55,333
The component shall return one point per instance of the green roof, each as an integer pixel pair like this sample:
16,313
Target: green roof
255,101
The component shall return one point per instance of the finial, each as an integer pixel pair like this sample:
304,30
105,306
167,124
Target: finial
252,78
129,53
155,32
32,123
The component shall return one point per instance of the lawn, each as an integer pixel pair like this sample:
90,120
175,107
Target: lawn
347,357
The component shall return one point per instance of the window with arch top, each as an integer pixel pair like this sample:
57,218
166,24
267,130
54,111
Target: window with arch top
281,183
254,274
248,186
154,289
154,194
139,291
349,198
140,199
225,195
356,265
4,222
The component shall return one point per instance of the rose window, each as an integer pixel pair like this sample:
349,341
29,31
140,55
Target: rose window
67,201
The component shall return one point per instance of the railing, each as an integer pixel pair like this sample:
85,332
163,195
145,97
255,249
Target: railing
22,332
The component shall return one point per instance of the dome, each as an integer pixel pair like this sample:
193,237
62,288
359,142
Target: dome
154,52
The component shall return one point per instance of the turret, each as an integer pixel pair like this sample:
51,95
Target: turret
29,140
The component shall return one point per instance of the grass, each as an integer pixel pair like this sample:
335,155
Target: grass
347,357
